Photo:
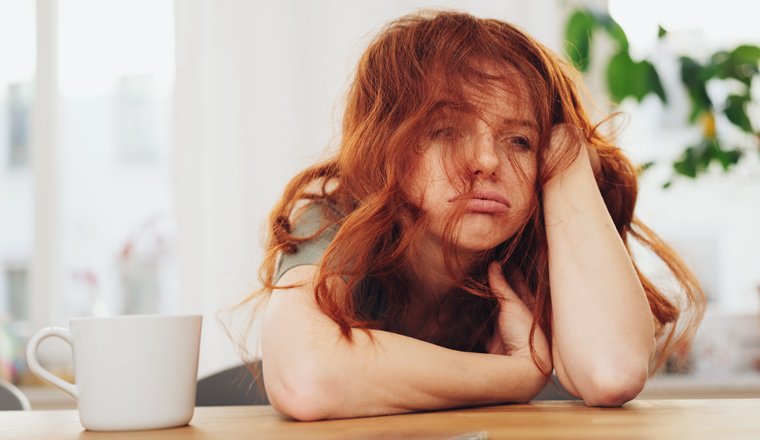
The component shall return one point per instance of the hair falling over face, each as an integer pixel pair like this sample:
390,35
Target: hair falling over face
424,82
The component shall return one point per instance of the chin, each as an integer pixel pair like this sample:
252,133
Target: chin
475,246
480,241
480,234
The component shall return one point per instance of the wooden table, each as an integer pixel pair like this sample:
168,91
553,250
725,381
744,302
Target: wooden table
646,419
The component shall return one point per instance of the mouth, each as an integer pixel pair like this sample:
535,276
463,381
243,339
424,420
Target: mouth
484,201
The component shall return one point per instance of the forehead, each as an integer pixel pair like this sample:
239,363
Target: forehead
487,91
502,93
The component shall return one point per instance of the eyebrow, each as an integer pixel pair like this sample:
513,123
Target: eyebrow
447,108
521,122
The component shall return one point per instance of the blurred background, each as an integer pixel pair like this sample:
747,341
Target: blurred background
142,144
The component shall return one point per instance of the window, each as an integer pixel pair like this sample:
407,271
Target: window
136,118
17,73
104,147
19,108
17,65
16,292
115,142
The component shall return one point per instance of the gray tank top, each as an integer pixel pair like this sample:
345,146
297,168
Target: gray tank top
369,298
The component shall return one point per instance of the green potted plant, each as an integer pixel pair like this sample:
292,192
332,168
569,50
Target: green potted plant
626,77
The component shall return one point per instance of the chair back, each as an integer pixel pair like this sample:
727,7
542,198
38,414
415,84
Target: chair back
234,386
12,399
554,391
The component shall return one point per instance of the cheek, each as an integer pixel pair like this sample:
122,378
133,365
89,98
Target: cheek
522,189
428,184
522,177
416,182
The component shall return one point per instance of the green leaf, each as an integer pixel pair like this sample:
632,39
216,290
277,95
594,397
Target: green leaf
687,165
708,150
661,32
720,57
653,82
746,54
740,64
628,78
736,112
578,39
620,76
726,158
640,79
695,160
695,76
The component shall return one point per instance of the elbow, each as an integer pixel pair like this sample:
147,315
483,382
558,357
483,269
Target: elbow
299,394
618,379
302,405
615,389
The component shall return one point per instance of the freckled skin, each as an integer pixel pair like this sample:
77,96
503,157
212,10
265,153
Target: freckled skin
486,142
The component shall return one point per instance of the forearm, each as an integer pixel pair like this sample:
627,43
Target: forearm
602,324
312,372
396,374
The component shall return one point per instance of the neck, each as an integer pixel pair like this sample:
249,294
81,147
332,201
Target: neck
430,284
426,272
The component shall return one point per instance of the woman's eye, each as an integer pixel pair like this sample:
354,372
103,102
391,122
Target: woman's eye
520,141
443,133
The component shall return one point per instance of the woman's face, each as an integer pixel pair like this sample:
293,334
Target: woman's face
499,151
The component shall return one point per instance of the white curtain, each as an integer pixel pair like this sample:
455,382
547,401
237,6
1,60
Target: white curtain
257,92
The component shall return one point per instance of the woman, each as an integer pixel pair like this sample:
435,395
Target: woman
469,236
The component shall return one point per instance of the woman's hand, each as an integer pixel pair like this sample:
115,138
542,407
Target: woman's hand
564,135
512,331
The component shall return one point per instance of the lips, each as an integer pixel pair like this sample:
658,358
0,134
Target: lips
484,201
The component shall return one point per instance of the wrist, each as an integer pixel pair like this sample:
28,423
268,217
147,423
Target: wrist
514,379
578,171
533,379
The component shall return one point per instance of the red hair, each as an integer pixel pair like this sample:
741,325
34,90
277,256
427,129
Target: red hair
415,66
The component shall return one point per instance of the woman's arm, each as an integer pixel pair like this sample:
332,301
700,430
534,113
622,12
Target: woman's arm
312,372
603,333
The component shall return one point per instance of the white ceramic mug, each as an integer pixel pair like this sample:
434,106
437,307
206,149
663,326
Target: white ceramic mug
130,372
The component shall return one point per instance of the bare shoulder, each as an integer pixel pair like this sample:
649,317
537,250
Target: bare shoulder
296,291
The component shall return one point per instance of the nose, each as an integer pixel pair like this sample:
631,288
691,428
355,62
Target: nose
485,161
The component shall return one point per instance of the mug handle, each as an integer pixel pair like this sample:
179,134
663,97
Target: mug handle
34,365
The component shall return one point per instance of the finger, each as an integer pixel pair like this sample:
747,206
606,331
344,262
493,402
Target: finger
563,135
519,285
495,344
563,138
498,283
517,282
